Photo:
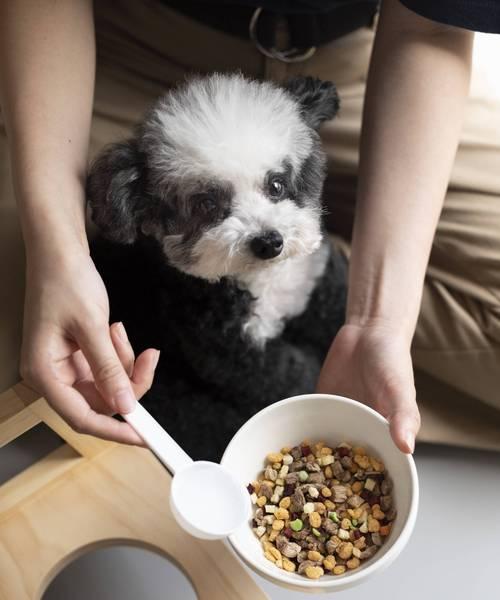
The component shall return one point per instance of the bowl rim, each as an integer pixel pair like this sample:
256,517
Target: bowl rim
348,579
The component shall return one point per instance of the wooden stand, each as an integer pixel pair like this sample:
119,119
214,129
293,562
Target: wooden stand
89,494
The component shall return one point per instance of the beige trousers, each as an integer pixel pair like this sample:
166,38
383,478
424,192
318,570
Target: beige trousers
144,47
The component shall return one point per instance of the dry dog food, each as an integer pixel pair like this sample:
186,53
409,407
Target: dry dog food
321,510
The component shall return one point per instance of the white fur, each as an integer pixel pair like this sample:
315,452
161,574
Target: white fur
230,128
282,291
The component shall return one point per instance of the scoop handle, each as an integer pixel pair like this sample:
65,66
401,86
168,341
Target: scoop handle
157,439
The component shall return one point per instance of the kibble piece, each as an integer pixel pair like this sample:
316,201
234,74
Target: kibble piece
313,492
282,513
260,531
288,565
345,524
377,513
329,562
357,486
273,535
297,525
285,502
308,508
353,563
345,550
369,552
362,461
339,570
278,524
356,552
314,555
270,473
315,519
360,543
385,530
261,500
290,549
339,493
343,534
326,492
274,457
303,476
370,484
314,572
373,525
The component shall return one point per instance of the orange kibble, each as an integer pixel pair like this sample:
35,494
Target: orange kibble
357,486
385,530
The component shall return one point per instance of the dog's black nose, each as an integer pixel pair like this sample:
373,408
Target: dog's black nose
267,245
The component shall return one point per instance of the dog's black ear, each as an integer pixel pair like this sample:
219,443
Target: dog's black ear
318,99
114,187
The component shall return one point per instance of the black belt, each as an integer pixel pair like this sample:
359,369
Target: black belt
305,31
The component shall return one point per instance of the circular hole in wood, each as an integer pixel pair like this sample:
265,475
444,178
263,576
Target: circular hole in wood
124,572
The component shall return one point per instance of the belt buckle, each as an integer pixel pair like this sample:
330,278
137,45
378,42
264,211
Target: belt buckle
291,55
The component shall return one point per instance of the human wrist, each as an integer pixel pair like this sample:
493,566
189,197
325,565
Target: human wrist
54,224
380,304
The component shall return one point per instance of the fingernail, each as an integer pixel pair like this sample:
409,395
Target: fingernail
121,332
156,359
125,401
409,439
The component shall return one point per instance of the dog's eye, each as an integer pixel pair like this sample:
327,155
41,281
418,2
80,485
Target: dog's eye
277,188
204,202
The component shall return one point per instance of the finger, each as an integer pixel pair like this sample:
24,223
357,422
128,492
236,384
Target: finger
110,377
404,425
73,408
123,347
144,371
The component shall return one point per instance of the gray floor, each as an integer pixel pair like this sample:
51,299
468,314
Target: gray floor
454,552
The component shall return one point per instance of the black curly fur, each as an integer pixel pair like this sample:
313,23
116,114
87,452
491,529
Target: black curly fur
211,379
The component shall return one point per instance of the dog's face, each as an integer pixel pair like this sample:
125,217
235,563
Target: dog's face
225,173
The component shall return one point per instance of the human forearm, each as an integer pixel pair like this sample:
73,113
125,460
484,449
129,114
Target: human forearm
47,58
417,86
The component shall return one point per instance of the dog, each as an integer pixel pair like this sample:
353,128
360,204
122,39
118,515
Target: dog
212,249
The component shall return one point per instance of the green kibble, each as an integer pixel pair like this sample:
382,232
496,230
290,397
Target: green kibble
354,522
316,532
297,525
333,516
303,476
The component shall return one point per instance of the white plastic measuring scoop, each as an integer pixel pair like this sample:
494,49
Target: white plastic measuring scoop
206,499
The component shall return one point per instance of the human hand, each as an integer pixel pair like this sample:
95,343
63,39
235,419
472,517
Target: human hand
85,369
372,364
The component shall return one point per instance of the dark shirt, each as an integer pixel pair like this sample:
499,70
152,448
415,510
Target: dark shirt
476,15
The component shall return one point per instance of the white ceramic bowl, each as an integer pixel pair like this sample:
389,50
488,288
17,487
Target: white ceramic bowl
332,419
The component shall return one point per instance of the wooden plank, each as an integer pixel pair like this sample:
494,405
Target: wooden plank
86,445
118,497
15,418
26,394
27,483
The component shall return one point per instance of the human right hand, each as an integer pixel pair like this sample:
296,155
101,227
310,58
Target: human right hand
71,355
372,364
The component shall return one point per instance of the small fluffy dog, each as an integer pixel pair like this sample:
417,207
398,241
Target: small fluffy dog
212,249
